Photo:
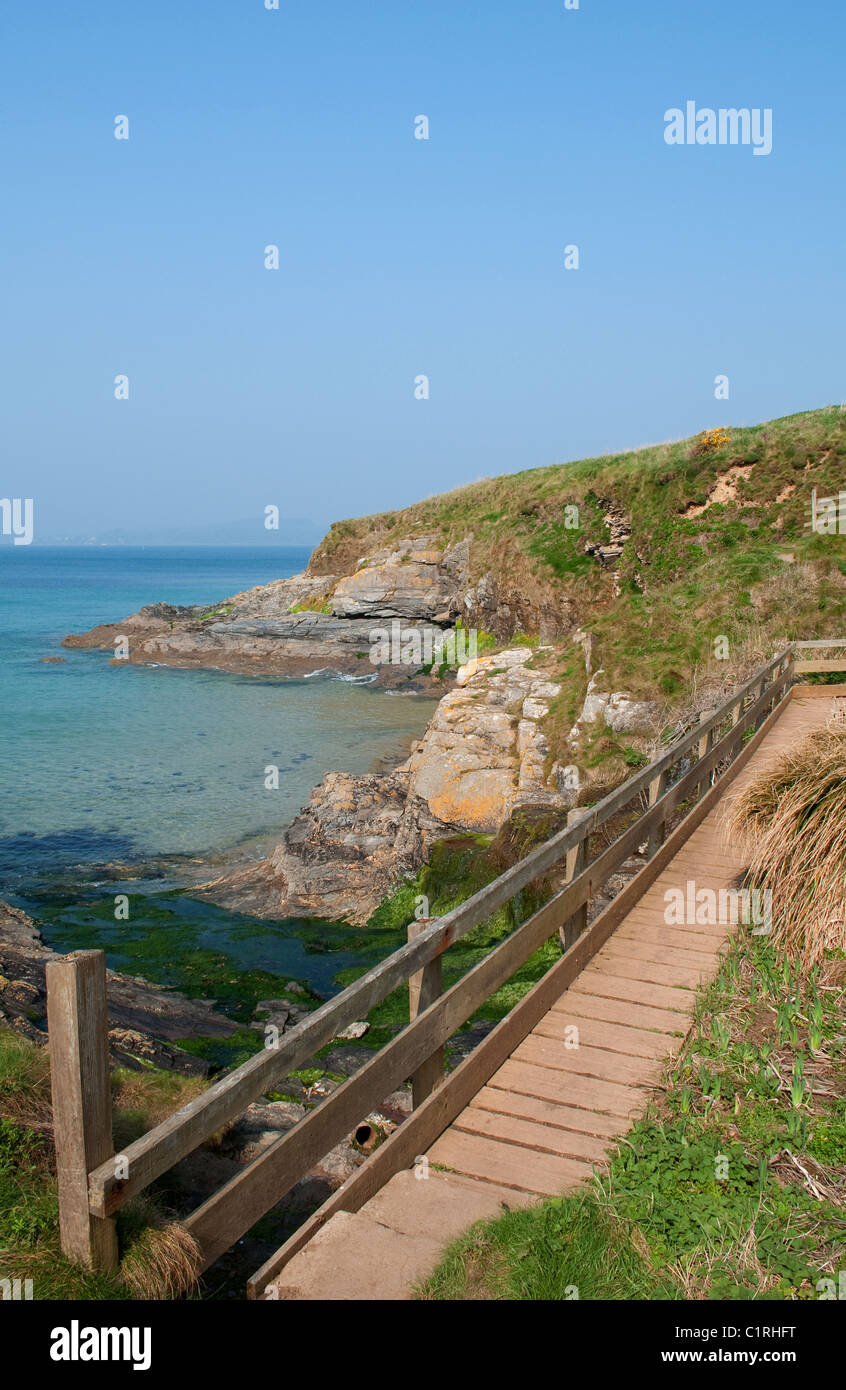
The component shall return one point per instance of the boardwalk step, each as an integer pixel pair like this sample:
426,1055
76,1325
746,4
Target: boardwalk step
334,1266
632,1042
546,1112
510,1129
511,1165
592,1062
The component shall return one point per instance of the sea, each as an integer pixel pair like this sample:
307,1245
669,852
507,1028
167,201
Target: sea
129,778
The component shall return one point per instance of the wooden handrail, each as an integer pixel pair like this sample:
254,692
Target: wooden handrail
682,773
241,1202
177,1136
828,666
427,1123
818,644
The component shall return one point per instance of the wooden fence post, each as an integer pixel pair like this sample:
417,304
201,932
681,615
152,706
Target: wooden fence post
759,690
706,743
736,715
423,989
572,929
658,834
77,1024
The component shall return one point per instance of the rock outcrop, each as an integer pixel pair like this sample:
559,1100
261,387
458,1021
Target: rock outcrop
485,751
315,622
618,711
305,625
416,580
483,755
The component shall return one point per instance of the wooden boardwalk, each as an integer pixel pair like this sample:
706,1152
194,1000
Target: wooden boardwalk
572,1087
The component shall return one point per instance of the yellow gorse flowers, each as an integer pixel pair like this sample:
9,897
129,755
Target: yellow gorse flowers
709,441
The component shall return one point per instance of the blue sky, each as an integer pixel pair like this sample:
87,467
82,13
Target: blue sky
399,256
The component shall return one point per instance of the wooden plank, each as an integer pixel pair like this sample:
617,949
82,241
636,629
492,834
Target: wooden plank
680,1001
819,692
423,989
576,1004
657,788
682,937
820,643
546,1112
705,745
679,977
512,1129
508,1164
588,1061
710,843
77,1024
575,864
806,668
638,949
718,854
633,1042
586,1093
651,914
650,911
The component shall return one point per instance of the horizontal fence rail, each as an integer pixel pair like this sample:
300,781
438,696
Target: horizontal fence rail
819,667
681,774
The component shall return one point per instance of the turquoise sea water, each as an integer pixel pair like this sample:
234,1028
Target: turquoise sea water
102,763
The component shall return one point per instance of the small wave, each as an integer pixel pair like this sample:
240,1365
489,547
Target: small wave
330,674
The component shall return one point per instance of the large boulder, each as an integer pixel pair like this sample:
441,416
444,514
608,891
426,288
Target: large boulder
337,859
618,710
484,752
413,581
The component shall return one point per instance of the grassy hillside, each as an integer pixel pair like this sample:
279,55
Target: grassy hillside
719,546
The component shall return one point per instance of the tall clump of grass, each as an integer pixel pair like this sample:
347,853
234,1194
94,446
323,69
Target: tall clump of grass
792,821
163,1262
24,1080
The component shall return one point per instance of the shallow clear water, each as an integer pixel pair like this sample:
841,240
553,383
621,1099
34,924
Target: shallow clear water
101,763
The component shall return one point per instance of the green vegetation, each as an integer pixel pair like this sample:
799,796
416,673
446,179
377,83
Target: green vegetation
792,822
719,547
156,1257
321,604
732,1186
457,869
194,947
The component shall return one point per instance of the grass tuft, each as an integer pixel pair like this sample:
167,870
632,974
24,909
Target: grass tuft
792,821
164,1262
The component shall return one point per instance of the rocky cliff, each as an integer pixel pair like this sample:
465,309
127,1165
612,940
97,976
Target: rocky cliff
628,593
308,623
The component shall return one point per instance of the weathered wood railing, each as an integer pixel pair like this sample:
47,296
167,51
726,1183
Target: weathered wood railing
94,1182
810,667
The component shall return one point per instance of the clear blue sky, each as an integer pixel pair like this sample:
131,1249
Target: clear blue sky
400,256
